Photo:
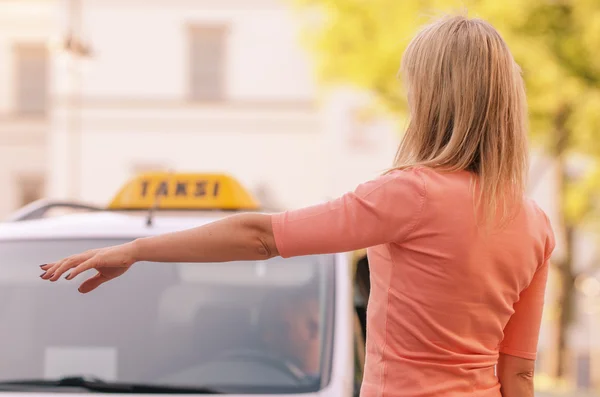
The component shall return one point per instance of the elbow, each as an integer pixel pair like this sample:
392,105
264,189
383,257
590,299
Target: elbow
525,375
264,249
516,376
261,239
517,385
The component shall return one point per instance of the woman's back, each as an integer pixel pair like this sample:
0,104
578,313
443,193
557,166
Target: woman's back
444,287
442,298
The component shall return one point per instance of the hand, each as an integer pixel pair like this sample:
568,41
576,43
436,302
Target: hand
109,263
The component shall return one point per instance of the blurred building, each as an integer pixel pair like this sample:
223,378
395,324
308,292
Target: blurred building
192,85
25,27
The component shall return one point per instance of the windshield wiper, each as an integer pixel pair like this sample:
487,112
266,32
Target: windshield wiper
100,386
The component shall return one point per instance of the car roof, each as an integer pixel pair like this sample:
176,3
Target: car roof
104,224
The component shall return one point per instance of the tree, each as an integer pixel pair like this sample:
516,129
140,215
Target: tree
360,43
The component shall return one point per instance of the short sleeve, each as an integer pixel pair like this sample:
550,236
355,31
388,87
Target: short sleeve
380,211
550,239
521,334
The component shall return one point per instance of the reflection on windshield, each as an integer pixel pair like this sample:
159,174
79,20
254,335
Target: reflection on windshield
239,325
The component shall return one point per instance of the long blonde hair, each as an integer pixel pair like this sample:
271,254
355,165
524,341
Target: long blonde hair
467,110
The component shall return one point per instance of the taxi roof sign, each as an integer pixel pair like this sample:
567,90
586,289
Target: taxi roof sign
189,191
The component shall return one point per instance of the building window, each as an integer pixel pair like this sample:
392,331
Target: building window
207,50
31,188
31,82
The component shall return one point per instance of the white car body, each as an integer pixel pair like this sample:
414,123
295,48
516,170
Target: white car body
131,225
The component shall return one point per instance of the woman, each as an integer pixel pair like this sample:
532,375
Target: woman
458,255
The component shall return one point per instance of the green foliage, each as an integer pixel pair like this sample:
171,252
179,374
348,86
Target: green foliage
581,198
360,42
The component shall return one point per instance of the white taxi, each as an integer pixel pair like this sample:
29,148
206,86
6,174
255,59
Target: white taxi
276,327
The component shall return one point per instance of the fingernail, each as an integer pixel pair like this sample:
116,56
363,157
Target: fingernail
67,276
43,265
43,274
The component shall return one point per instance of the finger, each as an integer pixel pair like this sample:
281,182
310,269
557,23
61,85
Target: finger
55,266
67,264
82,267
55,272
45,269
52,269
92,283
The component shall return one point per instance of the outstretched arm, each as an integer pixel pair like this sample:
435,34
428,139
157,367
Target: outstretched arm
235,238
238,237
380,211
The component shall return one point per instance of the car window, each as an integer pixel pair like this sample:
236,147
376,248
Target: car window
239,326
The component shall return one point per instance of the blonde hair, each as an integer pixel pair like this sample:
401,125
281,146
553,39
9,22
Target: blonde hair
467,110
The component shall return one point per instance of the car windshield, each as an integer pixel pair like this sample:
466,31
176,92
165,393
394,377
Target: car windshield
241,326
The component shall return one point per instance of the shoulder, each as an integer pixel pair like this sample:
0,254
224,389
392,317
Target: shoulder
396,181
392,203
538,213
543,226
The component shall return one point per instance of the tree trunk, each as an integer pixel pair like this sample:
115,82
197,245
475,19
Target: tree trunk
565,291
565,285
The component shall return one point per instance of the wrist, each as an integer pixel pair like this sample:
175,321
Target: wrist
135,250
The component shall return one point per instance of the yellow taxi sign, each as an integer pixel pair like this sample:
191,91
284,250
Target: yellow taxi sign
173,191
